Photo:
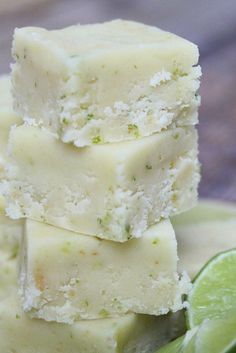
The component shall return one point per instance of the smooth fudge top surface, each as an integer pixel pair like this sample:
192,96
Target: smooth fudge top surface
113,35
108,82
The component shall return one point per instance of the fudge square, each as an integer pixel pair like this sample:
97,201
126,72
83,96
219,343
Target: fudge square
114,191
67,276
123,334
108,82
18,333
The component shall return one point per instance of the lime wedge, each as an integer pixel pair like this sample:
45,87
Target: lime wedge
197,243
199,233
206,210
214,336
214,289
172,347
178,345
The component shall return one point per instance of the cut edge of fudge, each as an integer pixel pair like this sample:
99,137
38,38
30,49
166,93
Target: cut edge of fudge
22,334
66,276
112,90
113,191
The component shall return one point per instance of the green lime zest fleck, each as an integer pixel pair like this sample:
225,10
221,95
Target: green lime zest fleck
176,136
99,220
66,248
133,129
65,121
155,241
174,197
86,302
96,139
127,228
148,166
178,73
90,116
105,221
15,251
103,313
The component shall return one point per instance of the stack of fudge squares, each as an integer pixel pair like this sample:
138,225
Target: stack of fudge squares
100,151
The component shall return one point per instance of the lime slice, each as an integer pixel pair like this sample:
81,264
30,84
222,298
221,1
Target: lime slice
214,290
231,348
172,347
199,233
197,243
214,336
178,345
206,210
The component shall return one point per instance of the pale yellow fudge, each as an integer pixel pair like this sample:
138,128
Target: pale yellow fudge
67,276
7,118
113,191
10,237
108,82
206,210
131,333
127,334
10,231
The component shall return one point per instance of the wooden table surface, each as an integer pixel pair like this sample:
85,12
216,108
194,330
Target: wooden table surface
209,23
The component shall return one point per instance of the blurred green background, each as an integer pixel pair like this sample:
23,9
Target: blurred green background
209,23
